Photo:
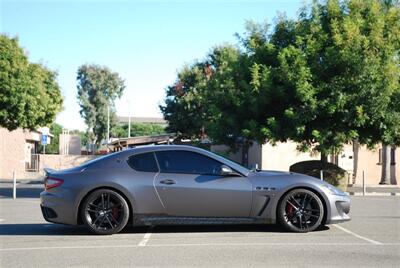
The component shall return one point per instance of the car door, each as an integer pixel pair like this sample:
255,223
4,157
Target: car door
140,182
189,184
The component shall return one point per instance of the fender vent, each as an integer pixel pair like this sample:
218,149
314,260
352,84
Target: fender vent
264,206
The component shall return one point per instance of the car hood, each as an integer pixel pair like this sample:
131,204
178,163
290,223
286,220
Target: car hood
269,173
277,175
265,174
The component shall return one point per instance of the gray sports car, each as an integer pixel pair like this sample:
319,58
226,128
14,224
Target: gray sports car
172,184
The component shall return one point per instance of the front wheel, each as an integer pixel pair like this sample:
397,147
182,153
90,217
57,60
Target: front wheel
105,212
300,211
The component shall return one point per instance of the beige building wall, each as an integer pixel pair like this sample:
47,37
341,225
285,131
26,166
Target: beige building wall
282,156
70,144
55,161
13,154
368,161
266,156
75,145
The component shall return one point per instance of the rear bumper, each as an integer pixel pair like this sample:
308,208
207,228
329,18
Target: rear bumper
56,209
48,213
339,209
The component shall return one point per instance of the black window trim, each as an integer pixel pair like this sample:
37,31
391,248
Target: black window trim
192,173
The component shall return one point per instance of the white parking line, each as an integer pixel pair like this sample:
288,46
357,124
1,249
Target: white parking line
357,235
202,245
146,238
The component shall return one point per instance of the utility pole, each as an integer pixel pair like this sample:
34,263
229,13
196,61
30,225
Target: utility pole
108,125
129,119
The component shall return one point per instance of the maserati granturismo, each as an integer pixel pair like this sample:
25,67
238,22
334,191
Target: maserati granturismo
176,184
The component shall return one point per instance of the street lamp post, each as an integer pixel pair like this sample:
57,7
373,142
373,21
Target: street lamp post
108,125
129,119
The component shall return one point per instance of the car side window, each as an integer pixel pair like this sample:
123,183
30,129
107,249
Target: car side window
187,162
145,162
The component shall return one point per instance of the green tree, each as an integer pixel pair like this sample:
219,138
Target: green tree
184,109
341,75
232,106
119,131
138,129
29,94
215,97
146,129
248,97
98,88
53,147
328,78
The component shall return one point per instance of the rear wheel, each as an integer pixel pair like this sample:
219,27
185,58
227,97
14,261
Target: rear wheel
301,211
105,212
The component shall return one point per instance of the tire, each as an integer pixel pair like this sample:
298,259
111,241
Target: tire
105,212
300,211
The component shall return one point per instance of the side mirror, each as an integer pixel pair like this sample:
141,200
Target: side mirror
226,171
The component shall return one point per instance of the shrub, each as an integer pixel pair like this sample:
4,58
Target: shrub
332,173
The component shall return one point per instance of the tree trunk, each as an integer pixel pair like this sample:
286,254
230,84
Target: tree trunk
393,165
245,153
356,148
324,158
385,179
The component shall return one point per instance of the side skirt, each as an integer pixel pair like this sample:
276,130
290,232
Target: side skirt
146,219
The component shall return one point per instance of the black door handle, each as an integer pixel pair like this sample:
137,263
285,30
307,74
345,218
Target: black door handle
168,182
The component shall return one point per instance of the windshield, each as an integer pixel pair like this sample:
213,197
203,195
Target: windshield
227,158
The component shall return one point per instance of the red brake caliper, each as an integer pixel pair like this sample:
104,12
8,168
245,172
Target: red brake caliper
114,212
289,209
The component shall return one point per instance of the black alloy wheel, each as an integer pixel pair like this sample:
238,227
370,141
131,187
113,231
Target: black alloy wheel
105,212
301,211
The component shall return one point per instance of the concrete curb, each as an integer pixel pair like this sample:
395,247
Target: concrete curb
23,181
372,194
376,190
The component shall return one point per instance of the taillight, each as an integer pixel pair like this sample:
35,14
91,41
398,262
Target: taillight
50,182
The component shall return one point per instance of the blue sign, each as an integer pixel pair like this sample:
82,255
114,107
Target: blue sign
44,140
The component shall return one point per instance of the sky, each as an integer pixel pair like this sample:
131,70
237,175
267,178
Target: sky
146,42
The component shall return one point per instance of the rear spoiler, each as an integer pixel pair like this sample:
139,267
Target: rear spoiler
49,171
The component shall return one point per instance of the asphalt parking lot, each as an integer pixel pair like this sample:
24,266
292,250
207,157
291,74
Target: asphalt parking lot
371,239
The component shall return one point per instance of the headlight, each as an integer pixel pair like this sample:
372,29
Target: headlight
333,190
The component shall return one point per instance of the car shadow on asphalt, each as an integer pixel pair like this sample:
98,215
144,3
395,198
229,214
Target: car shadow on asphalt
256,228
49,229
45,229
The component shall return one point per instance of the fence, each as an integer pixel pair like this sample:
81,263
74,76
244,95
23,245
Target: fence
34,163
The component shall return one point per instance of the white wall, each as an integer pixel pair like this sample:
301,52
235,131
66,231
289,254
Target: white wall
282,156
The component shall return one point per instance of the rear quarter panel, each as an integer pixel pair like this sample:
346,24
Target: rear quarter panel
137,187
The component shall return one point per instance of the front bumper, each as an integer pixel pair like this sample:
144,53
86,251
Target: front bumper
58,208
339,209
